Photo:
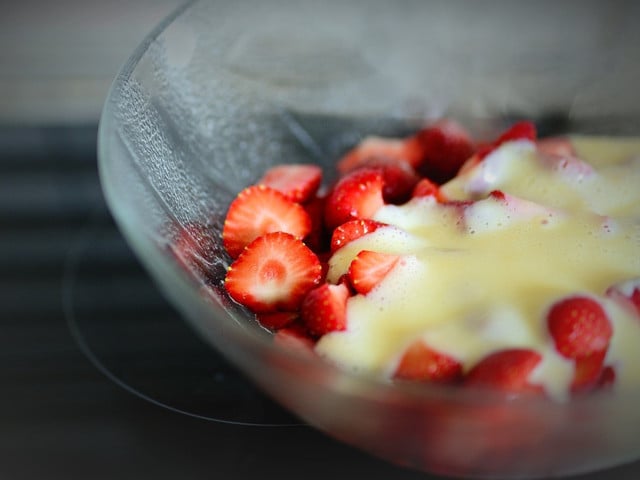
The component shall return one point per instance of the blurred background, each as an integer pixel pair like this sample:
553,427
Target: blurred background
90,353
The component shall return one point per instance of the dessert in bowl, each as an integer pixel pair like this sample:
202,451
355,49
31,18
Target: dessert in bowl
219,94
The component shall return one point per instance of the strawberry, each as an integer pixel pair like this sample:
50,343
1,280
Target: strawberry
352,230
277,320
427,188
446,146
373,149
356,195
579,327
317,238
294,336
274,272
298,182
588,371
607,377
506,371
323,309
518,131
369,268
422,363
258,210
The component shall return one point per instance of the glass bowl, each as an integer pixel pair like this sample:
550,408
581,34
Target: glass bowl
222,90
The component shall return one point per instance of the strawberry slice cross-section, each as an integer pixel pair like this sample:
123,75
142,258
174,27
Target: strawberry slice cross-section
258,210
274,272
369,268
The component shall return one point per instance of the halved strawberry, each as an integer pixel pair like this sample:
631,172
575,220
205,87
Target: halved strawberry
588,371
323,309
518,131
579,327
369,268
274,272
352,230
294,336
379,148
506,370
298,182
427,188
422,363
446,146
258,210
277,320
356,195
318,238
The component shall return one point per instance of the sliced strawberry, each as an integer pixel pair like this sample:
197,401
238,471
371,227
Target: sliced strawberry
506,371
352,230
323,310
588,371
446,146
579,327
519,131
373,149
556,146
422,363
357,195
294,336
607,377
369,268
277,320
298,182
258,210
318,238
274,272
427,188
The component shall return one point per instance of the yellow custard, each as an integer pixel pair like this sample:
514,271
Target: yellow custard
477,278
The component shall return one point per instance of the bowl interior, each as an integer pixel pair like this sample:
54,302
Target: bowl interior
220,91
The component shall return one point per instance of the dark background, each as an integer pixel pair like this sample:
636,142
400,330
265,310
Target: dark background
69,283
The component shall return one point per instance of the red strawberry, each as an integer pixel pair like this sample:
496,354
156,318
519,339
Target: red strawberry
369,268
506,371
357,195
422,363
607,378
258,210
277,320
588,371
427,188
446,147
298,182
579,327
317,239
323,310
294,336
519,131
273,273
352,230
373,149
